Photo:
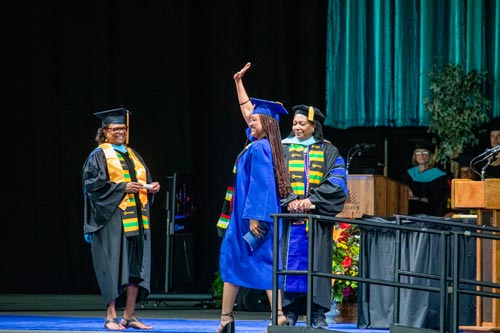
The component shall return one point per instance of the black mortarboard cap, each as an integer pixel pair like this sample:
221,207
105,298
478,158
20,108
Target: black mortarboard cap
310,112
113,116
424,144
463,159
494,124
273,109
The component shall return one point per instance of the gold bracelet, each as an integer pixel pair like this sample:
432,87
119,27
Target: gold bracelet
245,102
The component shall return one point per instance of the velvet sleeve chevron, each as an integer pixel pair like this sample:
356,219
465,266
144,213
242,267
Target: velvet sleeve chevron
330,195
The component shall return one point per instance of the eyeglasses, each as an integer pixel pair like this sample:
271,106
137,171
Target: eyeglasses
422,153
117,129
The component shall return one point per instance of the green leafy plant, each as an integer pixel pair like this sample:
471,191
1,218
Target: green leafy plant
216,288
345,261
457,107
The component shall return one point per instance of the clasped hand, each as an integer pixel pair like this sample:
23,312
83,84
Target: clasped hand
135,187
300,206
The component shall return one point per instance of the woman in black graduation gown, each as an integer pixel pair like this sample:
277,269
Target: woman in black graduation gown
118,192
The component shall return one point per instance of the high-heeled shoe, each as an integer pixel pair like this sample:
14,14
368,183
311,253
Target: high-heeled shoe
282,319
229,326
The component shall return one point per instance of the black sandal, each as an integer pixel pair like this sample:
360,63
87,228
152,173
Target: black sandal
129,323
114,321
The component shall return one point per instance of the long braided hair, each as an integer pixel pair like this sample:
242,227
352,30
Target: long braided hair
273,134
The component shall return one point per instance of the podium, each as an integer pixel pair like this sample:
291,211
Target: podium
374,195
485,197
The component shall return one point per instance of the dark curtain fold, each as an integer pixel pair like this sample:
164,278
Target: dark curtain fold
420,253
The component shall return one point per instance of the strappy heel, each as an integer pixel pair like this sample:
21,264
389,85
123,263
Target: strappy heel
229,326
282,319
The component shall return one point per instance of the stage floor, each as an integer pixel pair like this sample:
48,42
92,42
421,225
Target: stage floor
70,313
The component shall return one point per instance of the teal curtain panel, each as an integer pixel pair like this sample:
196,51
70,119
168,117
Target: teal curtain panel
379,54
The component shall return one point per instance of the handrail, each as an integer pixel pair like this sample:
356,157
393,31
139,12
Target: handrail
398,226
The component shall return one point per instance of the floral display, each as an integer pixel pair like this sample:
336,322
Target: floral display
345,261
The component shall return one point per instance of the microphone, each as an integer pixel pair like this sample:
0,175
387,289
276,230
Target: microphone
494,150
488,153
357,149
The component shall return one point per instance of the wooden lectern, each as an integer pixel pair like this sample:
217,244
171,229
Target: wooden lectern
485,197
374,195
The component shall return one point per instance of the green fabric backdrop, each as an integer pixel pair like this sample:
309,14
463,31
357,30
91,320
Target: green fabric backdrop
379,53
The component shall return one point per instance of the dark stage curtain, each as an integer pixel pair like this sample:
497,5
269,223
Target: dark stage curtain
171,63
420,253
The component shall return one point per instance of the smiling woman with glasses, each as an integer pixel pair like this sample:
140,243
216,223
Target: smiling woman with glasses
429,186
117,129
422,153
118,191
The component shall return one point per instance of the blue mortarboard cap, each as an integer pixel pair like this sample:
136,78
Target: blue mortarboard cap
273,109
114,116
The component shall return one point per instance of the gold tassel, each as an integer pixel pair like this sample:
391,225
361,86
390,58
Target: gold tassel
128,131
310,115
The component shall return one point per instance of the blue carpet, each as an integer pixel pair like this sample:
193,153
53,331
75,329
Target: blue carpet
47,323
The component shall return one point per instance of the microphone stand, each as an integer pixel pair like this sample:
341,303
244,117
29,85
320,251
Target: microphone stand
358,149
483,170
350,156
488,155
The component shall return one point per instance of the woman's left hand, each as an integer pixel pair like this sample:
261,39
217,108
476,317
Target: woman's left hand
239,75
155,187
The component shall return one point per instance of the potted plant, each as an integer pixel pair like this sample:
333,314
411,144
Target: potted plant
457,108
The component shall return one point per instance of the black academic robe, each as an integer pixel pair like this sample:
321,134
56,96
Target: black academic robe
492,171
117,260
436,190
328,197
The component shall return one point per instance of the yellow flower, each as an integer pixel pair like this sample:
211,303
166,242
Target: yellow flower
345,261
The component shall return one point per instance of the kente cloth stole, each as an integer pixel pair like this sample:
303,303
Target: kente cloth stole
119,173
227,205
306,167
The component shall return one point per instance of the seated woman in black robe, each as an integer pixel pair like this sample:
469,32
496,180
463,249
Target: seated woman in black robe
429,186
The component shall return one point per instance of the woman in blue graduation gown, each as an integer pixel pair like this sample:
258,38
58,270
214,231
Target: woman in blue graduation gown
260,181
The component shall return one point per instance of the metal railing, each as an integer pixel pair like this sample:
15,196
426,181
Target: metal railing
447,283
